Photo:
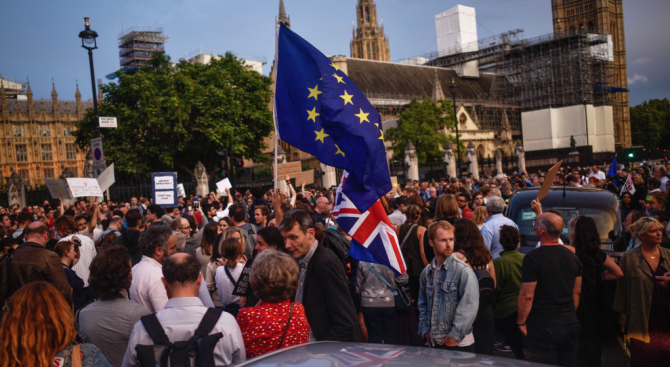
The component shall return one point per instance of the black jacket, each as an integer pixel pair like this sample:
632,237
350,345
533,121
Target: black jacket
130,239
327,301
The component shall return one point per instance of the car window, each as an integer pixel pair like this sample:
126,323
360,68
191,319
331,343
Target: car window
606,221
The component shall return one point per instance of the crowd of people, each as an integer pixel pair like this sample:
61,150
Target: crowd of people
241,274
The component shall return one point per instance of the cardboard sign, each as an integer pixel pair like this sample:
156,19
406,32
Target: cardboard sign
164,188
223,185
243,284
293,169
84,187
106,178
58,187
548,181
307,177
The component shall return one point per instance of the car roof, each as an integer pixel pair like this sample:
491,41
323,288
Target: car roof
336,354
574,196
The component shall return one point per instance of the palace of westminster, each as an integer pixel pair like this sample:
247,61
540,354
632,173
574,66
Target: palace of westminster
493,96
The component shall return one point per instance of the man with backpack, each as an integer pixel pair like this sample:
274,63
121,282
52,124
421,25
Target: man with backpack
185,328
249,230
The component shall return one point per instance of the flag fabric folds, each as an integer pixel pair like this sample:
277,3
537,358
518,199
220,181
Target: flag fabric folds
629,186
319,110
373,238
613,167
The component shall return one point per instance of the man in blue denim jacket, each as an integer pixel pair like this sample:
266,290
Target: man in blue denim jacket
449,294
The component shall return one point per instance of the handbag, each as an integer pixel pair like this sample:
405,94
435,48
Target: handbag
402,299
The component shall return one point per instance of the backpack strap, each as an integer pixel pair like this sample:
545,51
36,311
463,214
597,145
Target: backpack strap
230,276
288,324
207,323
409,232
155,330
380,277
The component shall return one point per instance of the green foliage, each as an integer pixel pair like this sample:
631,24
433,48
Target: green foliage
421,123
176,115
659,123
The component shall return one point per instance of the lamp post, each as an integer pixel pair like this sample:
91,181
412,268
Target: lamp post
452,89
88,41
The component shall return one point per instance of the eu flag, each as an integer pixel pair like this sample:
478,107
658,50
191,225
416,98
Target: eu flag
319,110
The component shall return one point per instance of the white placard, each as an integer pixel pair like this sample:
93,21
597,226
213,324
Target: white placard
180,190
163,183
164,197
108,122
58,187
223,185
82,187
106,179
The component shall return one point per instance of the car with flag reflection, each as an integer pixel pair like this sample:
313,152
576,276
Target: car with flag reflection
337,354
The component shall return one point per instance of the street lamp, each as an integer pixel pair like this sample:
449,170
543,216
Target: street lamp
88,41
452,89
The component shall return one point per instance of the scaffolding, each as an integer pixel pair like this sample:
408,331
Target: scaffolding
547,71
136,45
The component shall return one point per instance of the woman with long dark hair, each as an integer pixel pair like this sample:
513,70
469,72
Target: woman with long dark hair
469,247
204,252
411,236
597,268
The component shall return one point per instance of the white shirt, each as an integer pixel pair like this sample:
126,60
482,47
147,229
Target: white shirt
148,290
87,254
224,286
397,218
599,175
179,319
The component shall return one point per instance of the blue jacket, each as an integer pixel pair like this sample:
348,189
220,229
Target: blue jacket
456,300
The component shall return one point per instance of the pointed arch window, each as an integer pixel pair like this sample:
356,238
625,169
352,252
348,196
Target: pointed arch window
367,15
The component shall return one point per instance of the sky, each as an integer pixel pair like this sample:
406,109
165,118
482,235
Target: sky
41,36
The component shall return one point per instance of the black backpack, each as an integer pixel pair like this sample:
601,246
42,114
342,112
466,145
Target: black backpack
197,351
487,288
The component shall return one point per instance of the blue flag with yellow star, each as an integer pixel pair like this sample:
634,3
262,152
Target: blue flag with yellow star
319,110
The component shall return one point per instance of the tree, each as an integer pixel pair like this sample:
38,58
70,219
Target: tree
176,115
659,123
422,123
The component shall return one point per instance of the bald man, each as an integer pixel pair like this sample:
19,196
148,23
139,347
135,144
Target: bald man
551,281
322,209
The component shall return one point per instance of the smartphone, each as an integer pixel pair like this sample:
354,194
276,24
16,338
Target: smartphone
190,208
195,204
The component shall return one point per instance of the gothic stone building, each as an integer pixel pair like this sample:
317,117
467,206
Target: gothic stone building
36,138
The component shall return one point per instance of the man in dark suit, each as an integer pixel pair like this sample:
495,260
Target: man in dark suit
323,287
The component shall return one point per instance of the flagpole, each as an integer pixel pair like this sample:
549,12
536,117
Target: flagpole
274,102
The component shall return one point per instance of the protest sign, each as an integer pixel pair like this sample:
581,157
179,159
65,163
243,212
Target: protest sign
58,187
180,190
548,181
164,188
223,185
293,169
84,187
307,177
106,178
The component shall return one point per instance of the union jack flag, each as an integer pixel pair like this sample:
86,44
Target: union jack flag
373,237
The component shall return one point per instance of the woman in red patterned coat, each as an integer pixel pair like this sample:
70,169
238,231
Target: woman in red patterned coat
276,322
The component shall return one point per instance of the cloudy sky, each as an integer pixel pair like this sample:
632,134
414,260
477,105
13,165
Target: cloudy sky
40,36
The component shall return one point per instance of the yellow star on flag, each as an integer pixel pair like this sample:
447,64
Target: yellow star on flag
381,137
314,92
339,151
362,115
347,98
320,135
339,78
335,66
313,114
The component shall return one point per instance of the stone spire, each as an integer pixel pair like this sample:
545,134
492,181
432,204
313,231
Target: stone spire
369,41
29,94
100,96
79,107
282,15
54,100
438,92
3,102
